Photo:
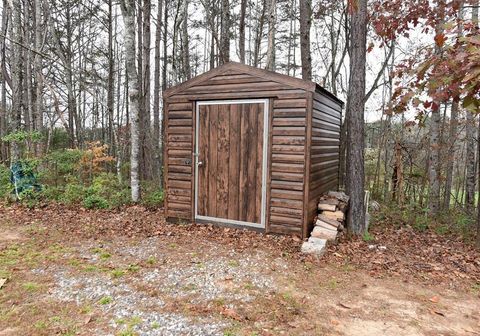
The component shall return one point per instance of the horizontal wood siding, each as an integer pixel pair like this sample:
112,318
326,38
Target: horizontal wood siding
179,160
286,143
324,150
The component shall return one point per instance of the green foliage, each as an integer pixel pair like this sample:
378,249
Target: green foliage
5,185
368,237
23,136
154,199
76,177
107,187
455,221
74,193
105,300
59,139
65,161
95,202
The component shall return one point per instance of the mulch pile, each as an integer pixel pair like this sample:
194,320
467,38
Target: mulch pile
404,252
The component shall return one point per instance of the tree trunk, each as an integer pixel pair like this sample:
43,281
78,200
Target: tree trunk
187,72
272,22
451,154
38,66
111,80
165,50
355,119
3,107
128,9
146,135
225,33
156,93
241,31
17,78
434,161
478,204
305,24
29,122
258,35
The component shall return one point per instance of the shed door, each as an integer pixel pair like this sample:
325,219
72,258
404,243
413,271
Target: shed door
231,161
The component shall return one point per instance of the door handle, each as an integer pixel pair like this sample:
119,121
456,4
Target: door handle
199,163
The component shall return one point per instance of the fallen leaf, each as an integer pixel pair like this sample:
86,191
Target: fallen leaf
434,299
2,282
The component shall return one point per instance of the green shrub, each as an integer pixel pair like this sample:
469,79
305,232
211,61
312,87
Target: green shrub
64,162
5,185
154,198
95,202
74,193
107,186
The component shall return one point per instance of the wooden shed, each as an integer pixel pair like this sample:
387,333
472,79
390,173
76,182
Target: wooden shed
251,148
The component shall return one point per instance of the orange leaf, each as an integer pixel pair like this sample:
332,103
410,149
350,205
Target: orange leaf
440,40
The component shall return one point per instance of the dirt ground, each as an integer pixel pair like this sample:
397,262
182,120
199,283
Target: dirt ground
127,272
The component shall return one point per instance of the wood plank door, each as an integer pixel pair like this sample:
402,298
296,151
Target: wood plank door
231,146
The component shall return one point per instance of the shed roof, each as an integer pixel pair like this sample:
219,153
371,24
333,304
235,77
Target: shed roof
256,72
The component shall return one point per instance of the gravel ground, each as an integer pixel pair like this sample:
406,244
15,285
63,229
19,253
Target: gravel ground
136,300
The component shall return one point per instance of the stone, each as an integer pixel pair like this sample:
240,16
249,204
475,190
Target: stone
315,246
337,215
322,233
327,207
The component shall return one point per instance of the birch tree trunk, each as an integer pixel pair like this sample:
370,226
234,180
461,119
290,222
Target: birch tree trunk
272,29
355,119
128,9
241,31
305,24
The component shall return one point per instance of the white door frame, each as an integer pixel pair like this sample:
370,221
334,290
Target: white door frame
266,119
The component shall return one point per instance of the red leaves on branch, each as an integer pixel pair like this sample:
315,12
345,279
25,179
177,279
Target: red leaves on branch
432,77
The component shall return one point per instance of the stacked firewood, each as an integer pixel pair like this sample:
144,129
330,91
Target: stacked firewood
331,215
328,223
